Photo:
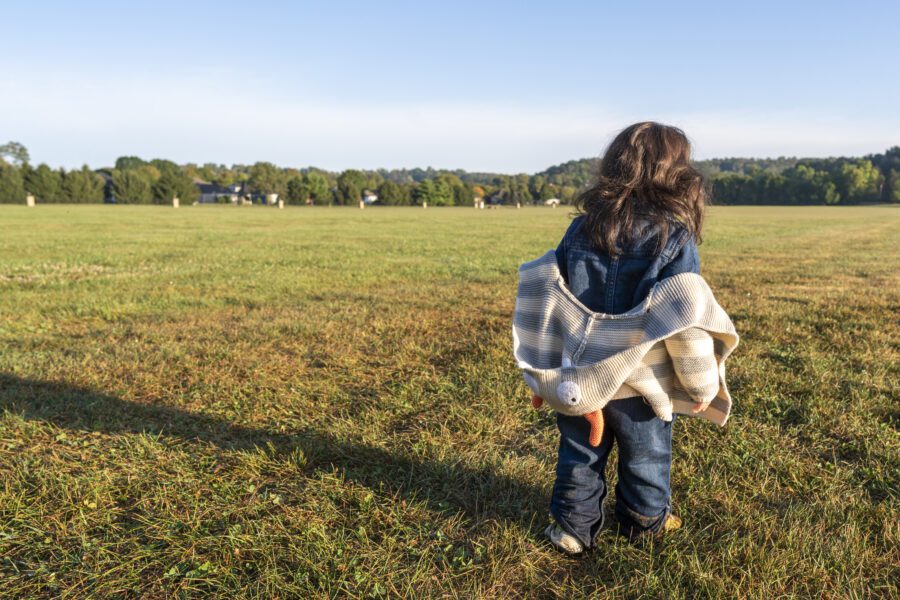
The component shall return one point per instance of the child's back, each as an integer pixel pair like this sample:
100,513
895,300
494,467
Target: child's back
640,223
615,284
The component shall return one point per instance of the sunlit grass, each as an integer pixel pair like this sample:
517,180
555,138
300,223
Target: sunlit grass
321,402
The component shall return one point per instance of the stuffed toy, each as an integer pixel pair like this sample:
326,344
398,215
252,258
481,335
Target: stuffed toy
568,391
670,349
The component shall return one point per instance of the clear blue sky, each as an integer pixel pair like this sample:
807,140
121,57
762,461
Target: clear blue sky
494,86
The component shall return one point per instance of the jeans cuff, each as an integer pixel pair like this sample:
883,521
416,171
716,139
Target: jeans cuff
634,524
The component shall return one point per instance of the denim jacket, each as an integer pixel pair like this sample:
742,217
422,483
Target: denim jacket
614,285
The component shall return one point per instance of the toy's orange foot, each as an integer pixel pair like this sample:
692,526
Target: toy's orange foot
536,401
596,420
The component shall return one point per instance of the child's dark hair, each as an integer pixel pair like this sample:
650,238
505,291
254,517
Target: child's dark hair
646,170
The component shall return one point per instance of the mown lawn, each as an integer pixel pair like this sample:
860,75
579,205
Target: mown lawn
246,402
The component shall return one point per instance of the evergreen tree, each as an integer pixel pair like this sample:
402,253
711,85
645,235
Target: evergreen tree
536,186
131,187
174,183
392,194
296,190
266,178
805,185
12,188
892,186
425,192
462,195
319,187
83,186
124,163
443,193
44,183
350,186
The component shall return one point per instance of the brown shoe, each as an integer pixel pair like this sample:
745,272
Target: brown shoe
672,523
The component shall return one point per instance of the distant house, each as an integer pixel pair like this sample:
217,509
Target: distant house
211,193
236,193
497,198
369,197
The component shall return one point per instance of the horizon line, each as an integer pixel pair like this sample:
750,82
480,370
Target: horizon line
232,165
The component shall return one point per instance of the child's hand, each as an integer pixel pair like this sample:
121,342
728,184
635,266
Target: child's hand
700,407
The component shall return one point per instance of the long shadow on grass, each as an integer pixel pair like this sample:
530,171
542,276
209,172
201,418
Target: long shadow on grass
479,492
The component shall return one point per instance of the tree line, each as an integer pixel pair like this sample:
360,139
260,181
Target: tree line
783,180
132,180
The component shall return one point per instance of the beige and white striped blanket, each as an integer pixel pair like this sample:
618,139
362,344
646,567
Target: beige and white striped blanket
670,349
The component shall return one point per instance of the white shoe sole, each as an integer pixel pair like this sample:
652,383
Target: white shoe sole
563,541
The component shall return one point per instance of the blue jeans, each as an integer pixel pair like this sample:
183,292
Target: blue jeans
643,495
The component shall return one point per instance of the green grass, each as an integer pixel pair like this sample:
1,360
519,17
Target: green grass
246,402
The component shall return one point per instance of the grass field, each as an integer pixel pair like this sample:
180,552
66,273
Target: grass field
321,402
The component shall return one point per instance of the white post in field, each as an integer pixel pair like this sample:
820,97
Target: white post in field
175,201
280,204
362,204
424,205
518,204
29,200
481,204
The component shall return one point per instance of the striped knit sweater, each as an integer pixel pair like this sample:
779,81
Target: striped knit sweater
670,349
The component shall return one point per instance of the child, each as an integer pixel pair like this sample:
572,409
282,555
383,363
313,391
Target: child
639,224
